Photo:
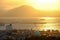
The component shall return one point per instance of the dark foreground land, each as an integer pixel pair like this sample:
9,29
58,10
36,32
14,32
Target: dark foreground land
26,35
44,38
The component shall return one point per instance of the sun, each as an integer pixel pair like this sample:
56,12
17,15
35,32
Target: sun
48,5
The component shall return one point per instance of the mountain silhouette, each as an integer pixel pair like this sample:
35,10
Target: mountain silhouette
22,11
29,11
2,13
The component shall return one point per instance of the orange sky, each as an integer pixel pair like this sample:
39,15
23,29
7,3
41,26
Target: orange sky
43,5
10,4
46,5
38,4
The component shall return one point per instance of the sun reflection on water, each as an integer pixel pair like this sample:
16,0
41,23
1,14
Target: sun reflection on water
51,24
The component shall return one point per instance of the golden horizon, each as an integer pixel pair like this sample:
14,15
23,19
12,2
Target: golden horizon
45,5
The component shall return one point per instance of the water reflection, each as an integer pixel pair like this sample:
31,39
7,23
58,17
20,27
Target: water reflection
51,23
38,23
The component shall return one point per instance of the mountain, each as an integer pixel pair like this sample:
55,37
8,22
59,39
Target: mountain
29,11
2,13
22,11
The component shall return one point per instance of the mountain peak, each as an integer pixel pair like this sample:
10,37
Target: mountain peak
22,11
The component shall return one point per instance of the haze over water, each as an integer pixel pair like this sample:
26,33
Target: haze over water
35,23
52,23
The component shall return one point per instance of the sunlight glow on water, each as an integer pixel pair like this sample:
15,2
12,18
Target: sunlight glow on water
52,23
36,23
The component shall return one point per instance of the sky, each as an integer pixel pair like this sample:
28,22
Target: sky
50,6
10,4
42,4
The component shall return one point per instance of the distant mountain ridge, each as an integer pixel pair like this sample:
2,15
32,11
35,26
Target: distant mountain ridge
2,13
29,11
23,11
